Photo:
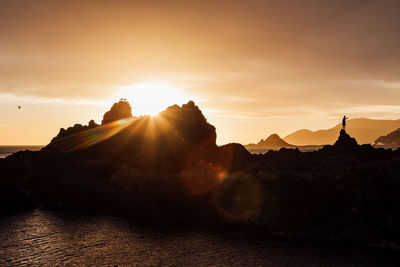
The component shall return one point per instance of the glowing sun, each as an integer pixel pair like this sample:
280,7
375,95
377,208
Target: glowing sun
152,97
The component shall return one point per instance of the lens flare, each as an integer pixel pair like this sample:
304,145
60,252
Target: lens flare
239,197
202,179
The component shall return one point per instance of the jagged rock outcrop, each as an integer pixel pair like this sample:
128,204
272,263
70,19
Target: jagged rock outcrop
177,138
390,140
188,124
120,110
345,140
70,131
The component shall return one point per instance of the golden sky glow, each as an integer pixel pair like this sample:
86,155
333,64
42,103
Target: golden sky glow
253,67
151,97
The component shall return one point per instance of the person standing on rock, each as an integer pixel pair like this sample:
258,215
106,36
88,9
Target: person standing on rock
344,122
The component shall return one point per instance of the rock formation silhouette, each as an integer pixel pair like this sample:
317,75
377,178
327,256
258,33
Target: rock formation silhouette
70,131
345,140
120,110
175,139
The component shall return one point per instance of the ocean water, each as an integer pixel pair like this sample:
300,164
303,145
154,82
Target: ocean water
262,150
43,238
8,150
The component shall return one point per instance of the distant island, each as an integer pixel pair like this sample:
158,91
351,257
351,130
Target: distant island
274,142
168,168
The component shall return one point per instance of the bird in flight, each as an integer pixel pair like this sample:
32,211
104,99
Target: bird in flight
19,107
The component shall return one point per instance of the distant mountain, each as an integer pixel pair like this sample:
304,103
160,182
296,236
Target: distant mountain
391,140
365,131
273,141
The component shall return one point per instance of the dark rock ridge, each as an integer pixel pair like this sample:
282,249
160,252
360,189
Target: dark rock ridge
345,140
70,131
118,111
169,168
391,140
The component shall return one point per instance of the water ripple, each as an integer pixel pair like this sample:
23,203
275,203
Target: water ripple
53,239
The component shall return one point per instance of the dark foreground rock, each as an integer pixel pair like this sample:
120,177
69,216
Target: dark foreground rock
169,168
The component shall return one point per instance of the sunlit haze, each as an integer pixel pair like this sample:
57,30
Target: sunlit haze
253,67
151,97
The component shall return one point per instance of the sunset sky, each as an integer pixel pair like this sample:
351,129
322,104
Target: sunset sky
253,67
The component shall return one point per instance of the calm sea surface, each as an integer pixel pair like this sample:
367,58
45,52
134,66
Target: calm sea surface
262,150
8,150
50,239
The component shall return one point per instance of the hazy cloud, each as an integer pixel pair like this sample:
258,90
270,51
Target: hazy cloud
258,59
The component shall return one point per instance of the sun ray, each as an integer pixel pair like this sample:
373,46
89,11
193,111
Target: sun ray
87,138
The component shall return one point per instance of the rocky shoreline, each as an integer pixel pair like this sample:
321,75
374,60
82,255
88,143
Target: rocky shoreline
171,170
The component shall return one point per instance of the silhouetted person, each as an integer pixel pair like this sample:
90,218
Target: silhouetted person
344,122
